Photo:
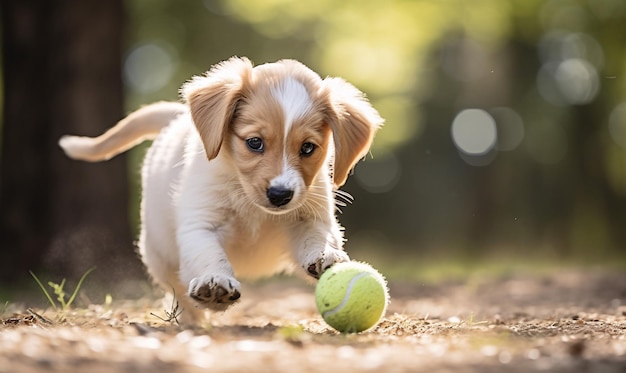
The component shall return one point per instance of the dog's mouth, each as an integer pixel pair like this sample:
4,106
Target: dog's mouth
276,210
273,210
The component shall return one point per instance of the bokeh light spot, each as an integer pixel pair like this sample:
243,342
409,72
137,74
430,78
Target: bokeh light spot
379,174
617,124
474,131
573,81
559,45
510,127
578,81
149,67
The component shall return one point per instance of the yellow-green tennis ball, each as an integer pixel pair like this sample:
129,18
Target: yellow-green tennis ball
352,297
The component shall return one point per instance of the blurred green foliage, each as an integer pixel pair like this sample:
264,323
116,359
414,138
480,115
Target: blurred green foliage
546,79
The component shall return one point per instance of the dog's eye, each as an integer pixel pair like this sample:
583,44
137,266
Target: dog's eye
255,144
307,149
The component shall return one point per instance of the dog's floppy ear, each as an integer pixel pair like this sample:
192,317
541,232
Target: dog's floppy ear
213,98
353,122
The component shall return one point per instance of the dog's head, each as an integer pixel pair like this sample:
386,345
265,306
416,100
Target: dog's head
280,123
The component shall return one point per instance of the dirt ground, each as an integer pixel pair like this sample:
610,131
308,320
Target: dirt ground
567,321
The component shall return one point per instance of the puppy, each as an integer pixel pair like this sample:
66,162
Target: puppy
240,180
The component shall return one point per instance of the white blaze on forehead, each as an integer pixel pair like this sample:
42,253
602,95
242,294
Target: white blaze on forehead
294,99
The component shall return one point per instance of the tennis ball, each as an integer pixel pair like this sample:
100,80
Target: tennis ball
351,297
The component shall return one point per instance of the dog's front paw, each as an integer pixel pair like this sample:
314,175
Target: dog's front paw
324,261
216,292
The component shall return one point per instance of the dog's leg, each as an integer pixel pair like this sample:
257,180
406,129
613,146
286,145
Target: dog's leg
206,269
317,246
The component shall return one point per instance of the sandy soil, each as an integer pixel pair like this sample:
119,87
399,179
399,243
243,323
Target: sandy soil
563,322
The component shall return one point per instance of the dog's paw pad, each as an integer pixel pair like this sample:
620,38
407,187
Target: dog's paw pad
216,293
313,270
325,261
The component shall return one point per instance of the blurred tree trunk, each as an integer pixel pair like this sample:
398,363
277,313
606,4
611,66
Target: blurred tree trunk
62,75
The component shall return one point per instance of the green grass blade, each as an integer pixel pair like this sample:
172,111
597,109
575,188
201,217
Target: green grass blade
58,291
44,290
80,283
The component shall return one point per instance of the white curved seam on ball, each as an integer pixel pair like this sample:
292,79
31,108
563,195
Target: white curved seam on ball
346,296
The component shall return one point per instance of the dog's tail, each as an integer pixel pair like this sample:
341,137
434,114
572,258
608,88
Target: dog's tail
143,124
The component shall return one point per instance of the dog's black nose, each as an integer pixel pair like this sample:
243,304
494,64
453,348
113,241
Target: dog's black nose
279,196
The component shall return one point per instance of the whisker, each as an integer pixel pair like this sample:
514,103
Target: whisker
342,199
343,196
314,206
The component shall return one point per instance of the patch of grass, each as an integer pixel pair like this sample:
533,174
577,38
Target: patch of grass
58,290
171,316
471,322
294,334
108,301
